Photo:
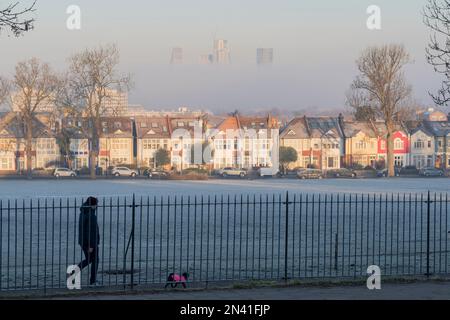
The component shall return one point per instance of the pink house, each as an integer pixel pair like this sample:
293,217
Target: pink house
401,148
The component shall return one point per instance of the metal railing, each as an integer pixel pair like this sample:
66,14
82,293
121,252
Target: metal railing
226,238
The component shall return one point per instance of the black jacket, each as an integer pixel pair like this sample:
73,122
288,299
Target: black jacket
88,231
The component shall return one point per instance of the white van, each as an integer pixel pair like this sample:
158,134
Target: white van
268,172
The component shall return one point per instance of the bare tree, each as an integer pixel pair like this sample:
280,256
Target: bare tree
33,86
362,107
92,79
381,83
16,19
437,17
4,90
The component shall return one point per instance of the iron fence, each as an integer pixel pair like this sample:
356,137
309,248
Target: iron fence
226,238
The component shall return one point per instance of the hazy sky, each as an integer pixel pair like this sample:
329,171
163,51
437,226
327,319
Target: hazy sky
316,43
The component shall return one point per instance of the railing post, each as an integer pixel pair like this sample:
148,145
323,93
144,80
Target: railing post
428,232
132,239
336,246
286,239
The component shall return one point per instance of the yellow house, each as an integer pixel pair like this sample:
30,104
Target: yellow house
361,143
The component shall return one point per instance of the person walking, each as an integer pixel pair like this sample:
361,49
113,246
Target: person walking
89,237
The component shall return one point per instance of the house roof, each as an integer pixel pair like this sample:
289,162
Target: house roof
296,129
116,127
437,128
352,128
239,124
12,126
153,127
319,127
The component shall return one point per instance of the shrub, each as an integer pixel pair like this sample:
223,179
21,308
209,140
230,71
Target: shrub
195,171
356,166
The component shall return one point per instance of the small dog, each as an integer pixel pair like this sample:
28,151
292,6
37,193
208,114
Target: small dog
174,279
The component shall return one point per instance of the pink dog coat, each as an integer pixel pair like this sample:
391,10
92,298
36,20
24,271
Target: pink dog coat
178,278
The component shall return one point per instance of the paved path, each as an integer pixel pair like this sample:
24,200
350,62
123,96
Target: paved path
413,291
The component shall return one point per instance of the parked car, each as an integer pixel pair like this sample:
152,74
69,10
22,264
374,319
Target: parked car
64,172
431,172
310,174
384,173
156,173
291,172
268,172
124,171
341,173
409,171
232,172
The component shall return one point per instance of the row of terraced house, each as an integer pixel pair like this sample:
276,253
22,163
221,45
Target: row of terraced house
133,141
332,143
325,142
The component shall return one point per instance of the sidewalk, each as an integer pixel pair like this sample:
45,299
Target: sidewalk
412,291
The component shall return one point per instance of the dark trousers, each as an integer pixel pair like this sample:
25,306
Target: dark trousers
90,258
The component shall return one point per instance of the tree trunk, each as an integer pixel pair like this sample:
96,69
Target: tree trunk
93,164
390,152
29,147
94,151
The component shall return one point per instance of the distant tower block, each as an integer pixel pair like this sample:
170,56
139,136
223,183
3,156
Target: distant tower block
206,59
177,56
264,56
221,52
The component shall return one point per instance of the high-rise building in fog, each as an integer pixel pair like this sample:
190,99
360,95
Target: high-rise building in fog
221,52
264,56
206,59
177,56
115,103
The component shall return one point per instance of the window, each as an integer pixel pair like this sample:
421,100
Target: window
419,144
143,124
6,164
398,160
181,124
429,143
6,145
120,144
154,125
398,144
152,144
330,162
361,145
117,125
